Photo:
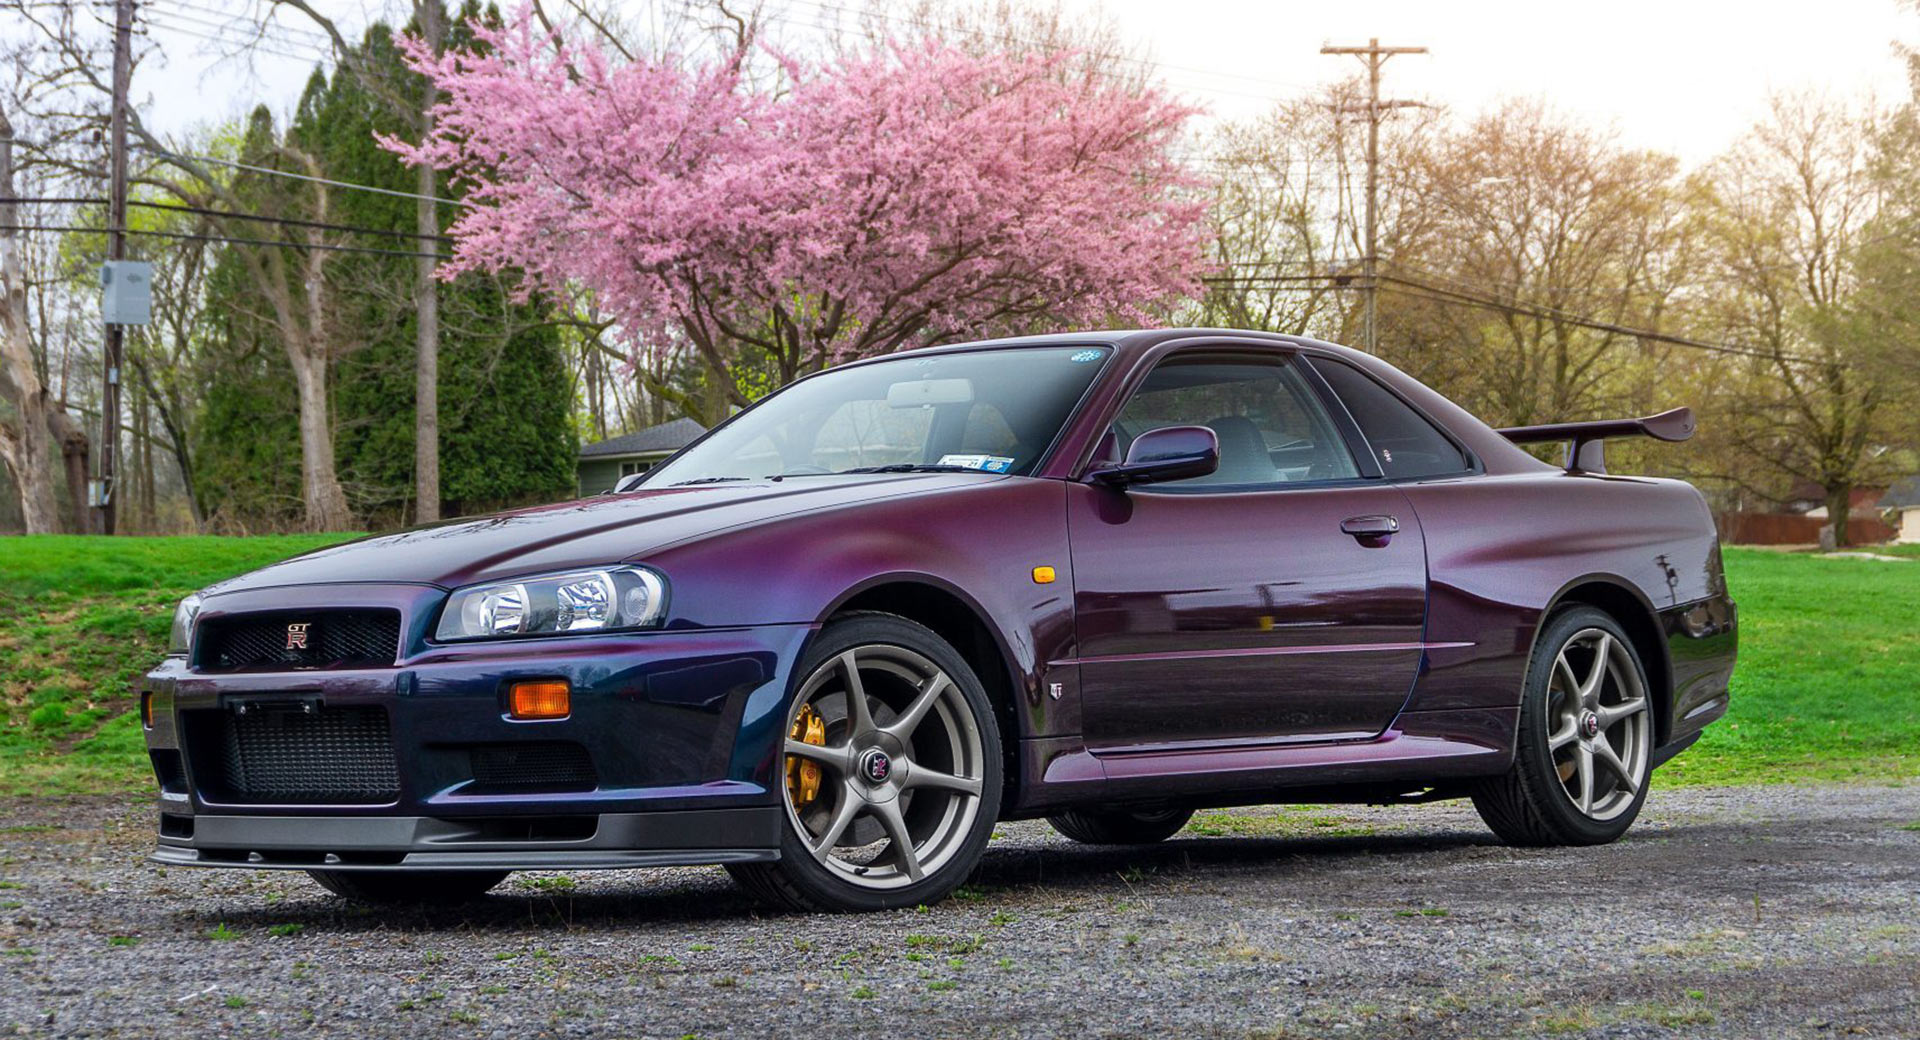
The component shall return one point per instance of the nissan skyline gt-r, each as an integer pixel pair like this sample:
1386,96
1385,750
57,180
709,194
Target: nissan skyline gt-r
1104,579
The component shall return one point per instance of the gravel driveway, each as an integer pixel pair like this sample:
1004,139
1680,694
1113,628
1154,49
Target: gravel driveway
1761,912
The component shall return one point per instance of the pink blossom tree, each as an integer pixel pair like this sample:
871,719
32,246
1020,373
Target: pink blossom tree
908,195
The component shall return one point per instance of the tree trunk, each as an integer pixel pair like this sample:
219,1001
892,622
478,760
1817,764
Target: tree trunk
176,442
75,447
426,303
1839,504
23,437
326,503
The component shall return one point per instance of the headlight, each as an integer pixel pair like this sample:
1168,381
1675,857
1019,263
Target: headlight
181,640
609,599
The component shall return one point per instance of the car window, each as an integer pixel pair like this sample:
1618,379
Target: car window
1271,426
987,432
1404,442
990,410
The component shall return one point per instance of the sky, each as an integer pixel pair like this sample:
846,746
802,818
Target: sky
1682,76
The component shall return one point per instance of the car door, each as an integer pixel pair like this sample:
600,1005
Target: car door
1264,603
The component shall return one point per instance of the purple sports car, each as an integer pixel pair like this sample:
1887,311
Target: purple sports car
1104,579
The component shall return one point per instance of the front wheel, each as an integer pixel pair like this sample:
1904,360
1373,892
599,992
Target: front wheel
1584,749
409,886
891,772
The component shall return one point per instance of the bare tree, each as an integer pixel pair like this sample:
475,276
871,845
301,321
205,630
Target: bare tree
1788,217
24,434
1536,230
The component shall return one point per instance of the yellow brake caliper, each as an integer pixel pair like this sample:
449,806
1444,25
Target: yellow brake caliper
803,775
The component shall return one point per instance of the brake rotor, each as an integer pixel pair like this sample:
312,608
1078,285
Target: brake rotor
804,775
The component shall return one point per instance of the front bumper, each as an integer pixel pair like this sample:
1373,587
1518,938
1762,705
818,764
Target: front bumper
604,841
680,729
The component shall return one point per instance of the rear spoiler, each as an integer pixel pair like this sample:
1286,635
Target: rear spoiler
1586,441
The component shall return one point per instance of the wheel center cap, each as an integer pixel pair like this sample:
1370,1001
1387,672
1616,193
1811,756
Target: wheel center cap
1590,725
876,767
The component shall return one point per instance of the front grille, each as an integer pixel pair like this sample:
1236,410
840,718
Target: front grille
300,639
542,766
331,755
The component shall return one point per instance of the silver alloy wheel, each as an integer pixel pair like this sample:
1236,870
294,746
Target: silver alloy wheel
1600,735
903,761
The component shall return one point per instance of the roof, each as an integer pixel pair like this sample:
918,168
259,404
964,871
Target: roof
1904,493
654,440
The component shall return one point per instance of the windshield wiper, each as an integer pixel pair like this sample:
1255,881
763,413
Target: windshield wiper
704,480
913,467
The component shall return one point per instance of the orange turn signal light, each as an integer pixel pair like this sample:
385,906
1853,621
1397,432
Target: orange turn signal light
545,699
1044,575
146,708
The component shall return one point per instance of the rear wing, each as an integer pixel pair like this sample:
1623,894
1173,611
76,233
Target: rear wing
1586,441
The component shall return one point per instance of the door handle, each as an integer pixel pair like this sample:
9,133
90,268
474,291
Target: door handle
1371,531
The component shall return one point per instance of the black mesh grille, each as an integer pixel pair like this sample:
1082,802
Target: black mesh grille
334,755
545,766
329,638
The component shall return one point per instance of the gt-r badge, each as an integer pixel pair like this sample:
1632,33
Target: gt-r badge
297,635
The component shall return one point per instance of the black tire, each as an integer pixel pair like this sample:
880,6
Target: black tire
1531,804
798,880
435,887
1120,826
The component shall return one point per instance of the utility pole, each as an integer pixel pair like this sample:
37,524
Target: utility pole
116,250
1374,56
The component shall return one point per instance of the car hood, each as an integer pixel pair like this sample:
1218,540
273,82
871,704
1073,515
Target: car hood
589,532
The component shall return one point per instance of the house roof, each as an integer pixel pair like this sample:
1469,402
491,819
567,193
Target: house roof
1904,493
654,440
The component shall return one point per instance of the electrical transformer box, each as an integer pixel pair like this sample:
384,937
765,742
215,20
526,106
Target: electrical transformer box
126,292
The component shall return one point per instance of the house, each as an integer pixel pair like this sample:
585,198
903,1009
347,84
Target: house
1810,499
1902,501
600,466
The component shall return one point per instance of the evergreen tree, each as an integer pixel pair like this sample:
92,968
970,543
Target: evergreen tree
506,432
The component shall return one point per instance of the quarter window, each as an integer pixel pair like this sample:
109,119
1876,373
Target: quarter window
1405,444
1271,426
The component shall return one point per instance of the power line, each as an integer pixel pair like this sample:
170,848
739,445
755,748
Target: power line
220,39
290,33
235,34
289,174
1439,294
225,239
171,207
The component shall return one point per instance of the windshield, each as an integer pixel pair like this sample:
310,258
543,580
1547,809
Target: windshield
993,411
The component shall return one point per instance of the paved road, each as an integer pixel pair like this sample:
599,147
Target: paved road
1765,912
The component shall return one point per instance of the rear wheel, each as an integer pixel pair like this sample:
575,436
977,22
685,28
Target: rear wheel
1585,742
891,772
409,886
1120,826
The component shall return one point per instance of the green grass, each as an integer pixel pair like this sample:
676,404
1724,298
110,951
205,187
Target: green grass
92,615
1829,651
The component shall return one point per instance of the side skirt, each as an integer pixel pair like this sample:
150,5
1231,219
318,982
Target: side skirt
1420,751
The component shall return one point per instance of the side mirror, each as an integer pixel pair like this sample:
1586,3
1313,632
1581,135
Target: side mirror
626,483
1168,453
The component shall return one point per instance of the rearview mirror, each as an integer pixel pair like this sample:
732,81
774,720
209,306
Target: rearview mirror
1168,453
921,392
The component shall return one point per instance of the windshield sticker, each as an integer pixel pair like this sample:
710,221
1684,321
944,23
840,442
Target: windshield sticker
984,463
1085,356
